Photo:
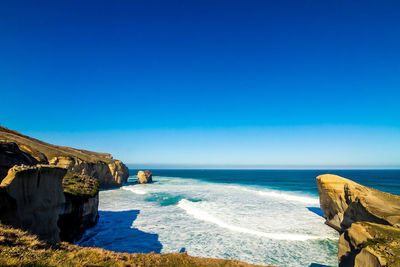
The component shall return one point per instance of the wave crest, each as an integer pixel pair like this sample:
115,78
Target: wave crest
137,191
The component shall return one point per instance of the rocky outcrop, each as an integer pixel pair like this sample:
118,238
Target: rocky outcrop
370,245
109,174
368,219
145,177
345,202
33,199
17,149
46,201
80,210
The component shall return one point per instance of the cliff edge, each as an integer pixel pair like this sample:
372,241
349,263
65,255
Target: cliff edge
31,198
17,149
368,219
45,201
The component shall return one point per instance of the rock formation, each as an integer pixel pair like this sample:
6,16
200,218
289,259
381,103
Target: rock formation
33,199
80,210
368,219
369,244
16,149
344,202
45,201
11,155
42,198
145,177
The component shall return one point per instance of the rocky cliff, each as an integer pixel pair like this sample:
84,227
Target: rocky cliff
16,149
368,219
80,210
46,201
33,199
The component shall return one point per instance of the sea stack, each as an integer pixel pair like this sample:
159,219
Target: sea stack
368,219
145,177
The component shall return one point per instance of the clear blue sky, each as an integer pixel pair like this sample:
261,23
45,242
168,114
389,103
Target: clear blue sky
207,83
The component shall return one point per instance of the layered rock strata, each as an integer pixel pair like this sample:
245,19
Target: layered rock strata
368,219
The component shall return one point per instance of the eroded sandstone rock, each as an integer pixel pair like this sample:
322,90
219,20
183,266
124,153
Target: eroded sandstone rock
145,177
33,199
345,202
368,218
30,151
367,244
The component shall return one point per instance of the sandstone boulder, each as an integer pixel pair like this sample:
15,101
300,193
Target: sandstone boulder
145,177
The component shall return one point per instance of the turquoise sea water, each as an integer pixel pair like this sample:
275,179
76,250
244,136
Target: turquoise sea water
256,216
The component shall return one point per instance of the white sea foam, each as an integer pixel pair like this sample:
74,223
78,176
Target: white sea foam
135,190
200,214
248,223
280,195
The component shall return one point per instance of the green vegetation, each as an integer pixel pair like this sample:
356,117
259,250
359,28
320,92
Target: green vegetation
385,241
80,185
17,248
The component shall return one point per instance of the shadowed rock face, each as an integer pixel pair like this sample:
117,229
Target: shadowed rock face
368,218
45,201
17,149
145,177
80,210
11,155
34,197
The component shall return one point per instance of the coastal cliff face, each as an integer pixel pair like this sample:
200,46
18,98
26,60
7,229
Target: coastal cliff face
109,174
80,210
345,202
17,149
34,196
46,201
368,218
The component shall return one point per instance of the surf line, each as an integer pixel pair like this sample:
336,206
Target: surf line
204,216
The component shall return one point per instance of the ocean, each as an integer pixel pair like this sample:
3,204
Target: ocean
256,216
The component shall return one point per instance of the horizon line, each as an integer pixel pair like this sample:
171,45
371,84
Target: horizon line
250,167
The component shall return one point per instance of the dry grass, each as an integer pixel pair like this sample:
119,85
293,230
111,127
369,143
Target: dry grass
80,185
385,241
17,248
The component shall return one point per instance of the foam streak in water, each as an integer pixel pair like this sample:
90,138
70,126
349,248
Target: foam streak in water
135,190
204,216
289,197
